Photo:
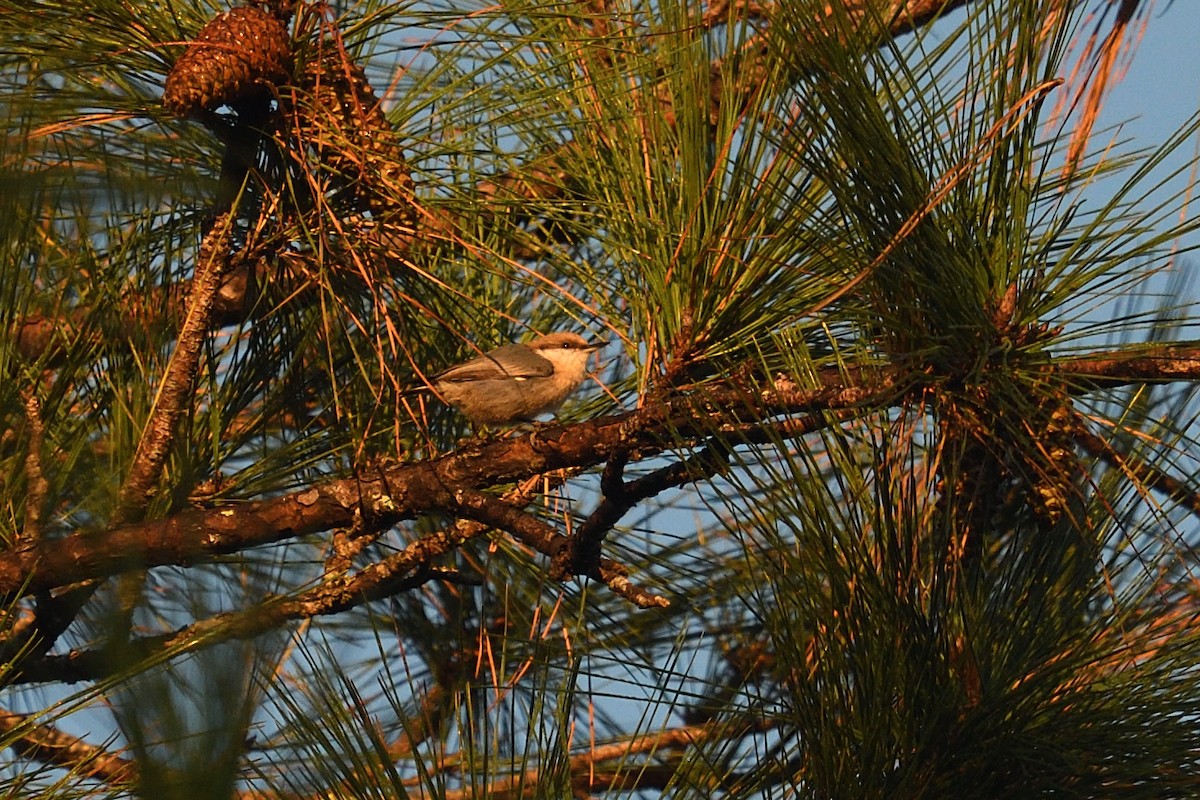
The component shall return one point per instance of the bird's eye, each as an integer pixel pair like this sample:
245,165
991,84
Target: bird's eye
566,345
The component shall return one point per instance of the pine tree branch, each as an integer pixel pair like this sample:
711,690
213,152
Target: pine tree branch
1144,474
35,475
406,491
394,494
667,744
47,744
1148,364
538,535
335,593
175,392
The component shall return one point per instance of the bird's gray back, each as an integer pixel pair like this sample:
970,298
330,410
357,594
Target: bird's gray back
511,360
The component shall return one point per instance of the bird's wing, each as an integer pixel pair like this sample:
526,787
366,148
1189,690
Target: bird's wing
512,361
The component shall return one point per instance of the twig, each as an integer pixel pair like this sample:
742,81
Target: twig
583,765
404,571
1146,474
51,339
47,744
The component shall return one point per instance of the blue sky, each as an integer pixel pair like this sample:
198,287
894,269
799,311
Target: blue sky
1162,88
1163,84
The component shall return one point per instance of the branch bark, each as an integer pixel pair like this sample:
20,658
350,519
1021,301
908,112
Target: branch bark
174,394
396,493
405,491
47,744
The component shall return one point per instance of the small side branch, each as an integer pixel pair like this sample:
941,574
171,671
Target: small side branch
544,539
401,572
1147,475
592,771
177,383
581,554
47,744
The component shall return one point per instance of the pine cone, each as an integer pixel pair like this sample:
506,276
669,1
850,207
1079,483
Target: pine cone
237,54
345,125
1051,493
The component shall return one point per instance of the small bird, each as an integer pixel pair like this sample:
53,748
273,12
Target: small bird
517,382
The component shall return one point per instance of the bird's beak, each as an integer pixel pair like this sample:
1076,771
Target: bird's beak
596,344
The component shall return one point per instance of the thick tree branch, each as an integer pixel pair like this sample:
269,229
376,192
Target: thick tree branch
35,474
408,490
408,569
396,493
1154,364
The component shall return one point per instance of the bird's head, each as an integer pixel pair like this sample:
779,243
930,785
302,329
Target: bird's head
568,352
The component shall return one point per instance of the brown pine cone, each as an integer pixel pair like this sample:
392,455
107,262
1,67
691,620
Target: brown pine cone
238,53
344,123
